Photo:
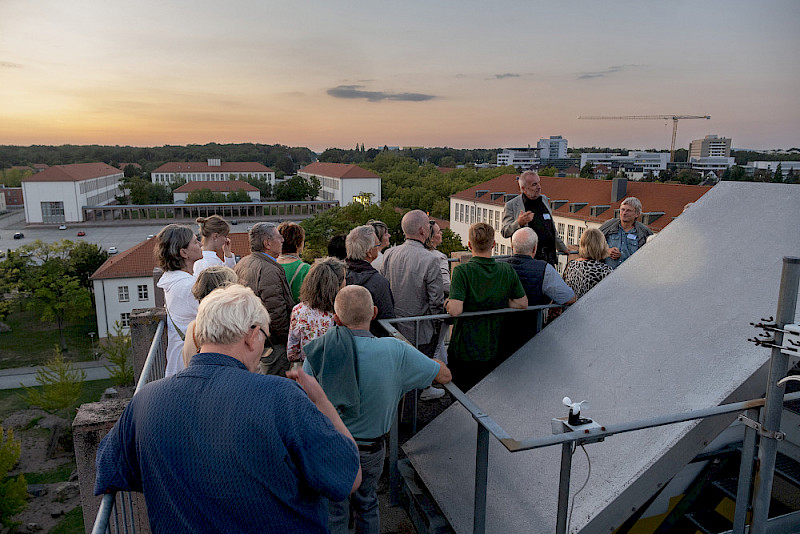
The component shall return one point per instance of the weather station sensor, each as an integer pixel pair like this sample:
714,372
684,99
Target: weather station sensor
573,422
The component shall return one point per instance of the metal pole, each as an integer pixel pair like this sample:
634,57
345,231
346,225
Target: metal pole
563,488
481,478
745,474
773,408
394,473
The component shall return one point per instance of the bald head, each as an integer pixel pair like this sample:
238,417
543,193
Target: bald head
416,225
524,241
354,308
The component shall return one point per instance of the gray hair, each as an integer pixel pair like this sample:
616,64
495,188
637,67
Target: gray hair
259,232
354,305
524,241
359,241
226,315
525,175
633,202
413,221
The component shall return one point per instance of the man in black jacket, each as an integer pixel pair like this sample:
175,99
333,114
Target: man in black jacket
363,246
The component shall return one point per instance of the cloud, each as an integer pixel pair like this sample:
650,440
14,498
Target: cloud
506,75
613,69
9,65
356,91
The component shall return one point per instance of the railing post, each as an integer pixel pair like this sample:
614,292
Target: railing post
745,474
773,408
394,473
563,488
143,328
481,480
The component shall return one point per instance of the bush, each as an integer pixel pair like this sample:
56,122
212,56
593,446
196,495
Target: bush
62,385
13,491
118,350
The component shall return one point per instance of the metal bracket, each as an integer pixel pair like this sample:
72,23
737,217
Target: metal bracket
755,425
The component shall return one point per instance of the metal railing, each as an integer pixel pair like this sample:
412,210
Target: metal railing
762,473
120,504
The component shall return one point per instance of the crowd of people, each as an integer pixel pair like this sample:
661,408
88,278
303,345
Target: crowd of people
282,385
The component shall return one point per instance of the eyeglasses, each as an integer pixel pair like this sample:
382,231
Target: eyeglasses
267,343
432,225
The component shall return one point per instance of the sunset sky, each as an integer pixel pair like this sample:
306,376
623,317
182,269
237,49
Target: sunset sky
424,73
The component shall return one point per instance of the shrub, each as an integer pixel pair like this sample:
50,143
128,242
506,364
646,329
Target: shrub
118,350
13,491
62,385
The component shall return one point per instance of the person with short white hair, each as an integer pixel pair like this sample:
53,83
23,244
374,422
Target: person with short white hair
362,246
625,234
220,448
541,281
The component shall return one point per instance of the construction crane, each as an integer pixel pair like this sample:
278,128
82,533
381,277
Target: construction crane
675,119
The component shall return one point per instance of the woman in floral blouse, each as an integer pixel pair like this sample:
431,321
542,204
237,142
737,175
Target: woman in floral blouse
314,315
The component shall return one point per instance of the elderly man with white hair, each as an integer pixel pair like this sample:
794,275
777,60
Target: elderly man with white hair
220,448
363,246
416,281
624,234
541,281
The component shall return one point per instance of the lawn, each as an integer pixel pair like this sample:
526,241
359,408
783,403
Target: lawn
31,341
11,400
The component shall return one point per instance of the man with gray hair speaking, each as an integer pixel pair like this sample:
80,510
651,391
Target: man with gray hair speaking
219,448
624,234
261,272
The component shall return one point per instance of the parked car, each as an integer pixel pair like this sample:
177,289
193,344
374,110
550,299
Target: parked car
81,233
151,236
234,222
19,235
62,227
112,250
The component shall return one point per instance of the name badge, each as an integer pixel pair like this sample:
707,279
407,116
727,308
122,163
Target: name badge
631,236
546,216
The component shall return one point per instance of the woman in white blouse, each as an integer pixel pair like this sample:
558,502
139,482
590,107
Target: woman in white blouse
214,230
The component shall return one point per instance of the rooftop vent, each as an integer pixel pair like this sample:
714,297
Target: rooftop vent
495,196
555,204
480,192
214,162
651,217
577,206
619,186
595,211
508,196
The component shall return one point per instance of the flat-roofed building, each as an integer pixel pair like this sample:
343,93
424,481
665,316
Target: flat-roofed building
636,164
228,186
576,204
214,170
553,148
344,183
522,158
711,146
57,194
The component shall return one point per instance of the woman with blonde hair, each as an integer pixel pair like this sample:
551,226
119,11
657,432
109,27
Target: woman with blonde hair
296,269
314,314
585,272
207,281
214,231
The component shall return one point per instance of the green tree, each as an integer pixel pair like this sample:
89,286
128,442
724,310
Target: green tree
587,171
239,195
85,258
778,177
14,177
548,171
205,196
13,491
791,177
297,188
61,386
451,242
118,349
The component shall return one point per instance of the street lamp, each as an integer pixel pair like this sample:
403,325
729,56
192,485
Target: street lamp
94,352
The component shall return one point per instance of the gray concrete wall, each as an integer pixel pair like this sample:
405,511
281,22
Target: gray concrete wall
665,333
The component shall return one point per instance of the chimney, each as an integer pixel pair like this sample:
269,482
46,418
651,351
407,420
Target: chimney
619,186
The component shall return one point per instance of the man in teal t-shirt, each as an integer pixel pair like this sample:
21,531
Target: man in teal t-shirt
480,284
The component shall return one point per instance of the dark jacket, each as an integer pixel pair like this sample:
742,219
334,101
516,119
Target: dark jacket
268,281
361,273
531,274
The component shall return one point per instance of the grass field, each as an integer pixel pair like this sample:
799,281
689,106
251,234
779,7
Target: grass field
31,342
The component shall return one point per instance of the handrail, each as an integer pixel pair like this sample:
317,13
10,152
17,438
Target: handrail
104,514
149,363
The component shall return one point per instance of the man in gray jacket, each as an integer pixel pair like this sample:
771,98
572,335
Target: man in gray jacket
260,272
532,209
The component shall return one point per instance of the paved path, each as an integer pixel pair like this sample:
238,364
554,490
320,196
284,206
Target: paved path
12,378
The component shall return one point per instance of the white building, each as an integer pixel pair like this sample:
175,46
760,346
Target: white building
753,166
344,183
635,163
553,148
715,164
523,158
711,146
57,194
228,186
212,171
576,204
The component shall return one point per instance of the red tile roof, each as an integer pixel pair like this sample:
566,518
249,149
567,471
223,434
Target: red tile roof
669,198
77,172
223,186
225,166
337,170
139,261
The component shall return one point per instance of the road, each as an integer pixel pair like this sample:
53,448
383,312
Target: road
26,376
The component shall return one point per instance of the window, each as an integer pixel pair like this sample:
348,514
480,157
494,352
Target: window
497,220
471,215
484,215
571,234
461,212
560,229
142,292
581,229
53,212
122,291
125,320
502,249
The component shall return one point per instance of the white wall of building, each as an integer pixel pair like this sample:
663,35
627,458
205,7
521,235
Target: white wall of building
524,159
111,302
73,196
553,148
210,176
343,190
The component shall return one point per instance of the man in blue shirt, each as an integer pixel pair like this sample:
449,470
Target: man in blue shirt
219,448
625,235
365,377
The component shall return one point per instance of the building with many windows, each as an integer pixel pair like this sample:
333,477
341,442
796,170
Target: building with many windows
344,183
181,193
576,204
521,158
57,194
125,283
553,148
635,164
711,146
214,170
